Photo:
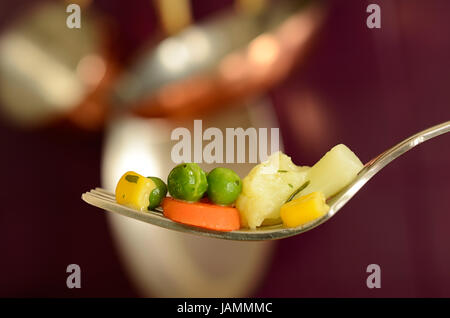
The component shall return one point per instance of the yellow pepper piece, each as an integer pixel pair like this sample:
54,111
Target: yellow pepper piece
134,190
304,209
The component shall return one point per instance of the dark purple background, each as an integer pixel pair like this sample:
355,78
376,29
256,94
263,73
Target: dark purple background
369,88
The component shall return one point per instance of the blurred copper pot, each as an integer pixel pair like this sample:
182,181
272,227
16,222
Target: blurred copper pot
213,65
49,72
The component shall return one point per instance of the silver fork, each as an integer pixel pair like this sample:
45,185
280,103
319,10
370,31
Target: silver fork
106,200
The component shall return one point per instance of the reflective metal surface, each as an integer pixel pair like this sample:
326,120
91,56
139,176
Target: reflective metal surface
105,200
48,70
210,65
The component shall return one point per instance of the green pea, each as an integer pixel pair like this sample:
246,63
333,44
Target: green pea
224,186
187,181
158,194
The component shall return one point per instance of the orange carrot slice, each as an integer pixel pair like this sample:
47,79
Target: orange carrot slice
201,214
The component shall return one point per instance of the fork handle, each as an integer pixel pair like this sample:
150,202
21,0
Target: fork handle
379,162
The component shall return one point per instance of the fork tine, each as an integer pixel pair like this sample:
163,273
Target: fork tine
104,200
104,191
102,196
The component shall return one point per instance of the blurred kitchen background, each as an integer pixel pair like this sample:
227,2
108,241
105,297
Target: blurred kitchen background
80,106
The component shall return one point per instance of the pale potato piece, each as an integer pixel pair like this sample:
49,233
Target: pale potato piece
268,185
266,188
337,168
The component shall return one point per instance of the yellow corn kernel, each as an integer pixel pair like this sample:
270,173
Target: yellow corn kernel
304,209
134,190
